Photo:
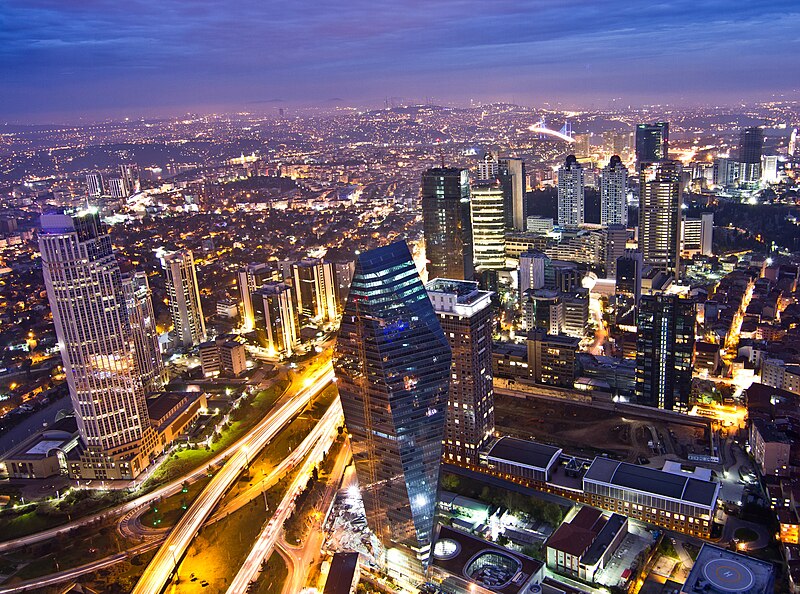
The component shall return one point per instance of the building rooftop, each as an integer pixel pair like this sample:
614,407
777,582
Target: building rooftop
340,577
650,480
720,571
524,452
604,539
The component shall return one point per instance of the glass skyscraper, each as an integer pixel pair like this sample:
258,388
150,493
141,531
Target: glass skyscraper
392,364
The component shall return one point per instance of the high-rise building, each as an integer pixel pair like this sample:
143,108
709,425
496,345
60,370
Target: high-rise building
488,225
532,266
465,314
447,223
248,279
543,308
652,143
139,303
315,290
725,172
117,188
183,294
664,350
628,288
392,363
660,216
511,173
751,145
130,178
616,240
488,167
94,184
613,189
275,319
570,193
697,234
551,359
90,315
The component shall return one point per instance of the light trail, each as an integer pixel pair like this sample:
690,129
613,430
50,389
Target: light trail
272,530
161,567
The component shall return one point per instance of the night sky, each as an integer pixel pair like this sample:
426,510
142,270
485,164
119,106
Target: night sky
65,59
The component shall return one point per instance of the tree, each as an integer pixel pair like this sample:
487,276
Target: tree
450,482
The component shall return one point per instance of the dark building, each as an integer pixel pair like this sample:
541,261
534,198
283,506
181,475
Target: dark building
447,223
511,173
551,358
652,143
392,363
628,288
751,144
664,350
465,313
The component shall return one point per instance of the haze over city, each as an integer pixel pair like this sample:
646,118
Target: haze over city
434,298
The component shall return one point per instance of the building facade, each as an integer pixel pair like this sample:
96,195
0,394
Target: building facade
570,193
447,223
183,294
392,363
613,192
465,314
660,216
488,225
276,325
139,303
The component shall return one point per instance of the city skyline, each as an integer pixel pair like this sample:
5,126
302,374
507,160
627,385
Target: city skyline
190,56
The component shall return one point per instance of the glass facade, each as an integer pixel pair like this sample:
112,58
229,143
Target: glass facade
447,223
392,364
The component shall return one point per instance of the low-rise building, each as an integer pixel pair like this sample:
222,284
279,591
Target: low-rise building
522,458
720,571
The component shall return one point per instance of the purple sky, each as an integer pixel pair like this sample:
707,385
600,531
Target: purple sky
64,59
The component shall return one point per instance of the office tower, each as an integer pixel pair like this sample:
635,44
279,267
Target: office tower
629,275
224,356
551,359
725,172
664,348
543,308
130,178
275,319
488,225
616,240
660,216
562,276
392,363
447,223
139,304
116,188
769,169
576,312
248,279
532,265
570,193
90,315
613,188
652,143
511,173
343,273
488,167
183,294
617,143
465,314
315,290
94,184
697,235
751,144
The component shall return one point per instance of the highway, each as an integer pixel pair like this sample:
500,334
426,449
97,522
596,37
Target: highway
130,528
273,529
161,567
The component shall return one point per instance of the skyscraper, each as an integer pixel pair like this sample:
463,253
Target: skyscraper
90,315
532,266
570,193
94,184
315,290
511,173
117,188
130,178
628,287
488,225
652,143
664,349
392,363
183,294
447,223
697,235
465,314
139,303
660,216
613,184
488,167
275,320
248,279
751,144
616,240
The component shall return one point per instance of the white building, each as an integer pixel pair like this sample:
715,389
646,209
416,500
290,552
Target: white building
613,190
183,294
488,226
697,235
139,303
570,193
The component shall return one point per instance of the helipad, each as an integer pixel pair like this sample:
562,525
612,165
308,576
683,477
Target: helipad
728,575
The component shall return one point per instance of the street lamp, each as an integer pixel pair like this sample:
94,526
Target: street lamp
174,562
